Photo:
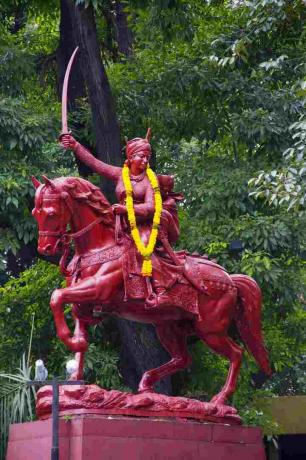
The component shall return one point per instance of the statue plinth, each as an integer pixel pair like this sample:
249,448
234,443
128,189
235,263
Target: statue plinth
81,399
95,437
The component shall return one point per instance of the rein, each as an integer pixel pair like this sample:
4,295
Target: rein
65,239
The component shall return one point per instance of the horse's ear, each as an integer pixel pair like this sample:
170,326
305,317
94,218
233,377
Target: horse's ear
48,181
35,182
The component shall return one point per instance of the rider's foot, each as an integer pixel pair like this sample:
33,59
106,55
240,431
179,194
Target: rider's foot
146,390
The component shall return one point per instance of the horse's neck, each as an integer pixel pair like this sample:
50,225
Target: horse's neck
98,236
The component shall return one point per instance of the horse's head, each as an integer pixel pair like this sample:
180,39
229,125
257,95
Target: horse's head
56,204
53,210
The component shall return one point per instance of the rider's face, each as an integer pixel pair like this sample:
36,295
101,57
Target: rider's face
139,161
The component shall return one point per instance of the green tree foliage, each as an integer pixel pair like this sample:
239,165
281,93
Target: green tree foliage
20,299
16,400
29,121
223,105
222,85
28,296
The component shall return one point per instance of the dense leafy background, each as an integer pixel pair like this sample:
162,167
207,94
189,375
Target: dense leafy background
222,84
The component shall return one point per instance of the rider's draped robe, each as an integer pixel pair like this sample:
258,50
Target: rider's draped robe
144,206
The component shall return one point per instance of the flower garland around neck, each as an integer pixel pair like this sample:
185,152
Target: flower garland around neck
145,251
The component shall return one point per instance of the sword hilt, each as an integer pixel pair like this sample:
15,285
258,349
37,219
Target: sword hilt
64,133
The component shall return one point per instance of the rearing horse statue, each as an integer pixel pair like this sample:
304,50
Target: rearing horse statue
204,299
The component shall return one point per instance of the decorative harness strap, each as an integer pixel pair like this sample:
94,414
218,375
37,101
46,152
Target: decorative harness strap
99,257
70,235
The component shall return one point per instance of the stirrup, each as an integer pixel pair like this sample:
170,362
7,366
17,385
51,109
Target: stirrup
151,301
157,300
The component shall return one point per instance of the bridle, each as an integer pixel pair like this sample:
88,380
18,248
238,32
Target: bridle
64,238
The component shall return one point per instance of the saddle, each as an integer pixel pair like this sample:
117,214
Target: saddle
207,276
184,283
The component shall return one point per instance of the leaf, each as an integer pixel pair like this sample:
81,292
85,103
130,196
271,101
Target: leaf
13,143
15,202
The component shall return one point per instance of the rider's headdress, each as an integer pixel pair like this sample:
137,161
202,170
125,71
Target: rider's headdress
139,145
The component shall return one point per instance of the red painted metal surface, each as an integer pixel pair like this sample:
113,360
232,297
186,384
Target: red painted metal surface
96,437
187,294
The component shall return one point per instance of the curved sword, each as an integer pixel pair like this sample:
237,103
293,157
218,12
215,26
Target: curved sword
65,129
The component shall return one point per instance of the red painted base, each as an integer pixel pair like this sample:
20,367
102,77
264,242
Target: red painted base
96,437
84,399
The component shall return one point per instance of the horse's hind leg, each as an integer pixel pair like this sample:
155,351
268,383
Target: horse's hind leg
224,346
172,336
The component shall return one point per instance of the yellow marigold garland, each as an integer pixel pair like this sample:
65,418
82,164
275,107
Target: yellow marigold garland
145,251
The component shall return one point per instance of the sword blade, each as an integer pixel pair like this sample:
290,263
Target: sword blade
64,94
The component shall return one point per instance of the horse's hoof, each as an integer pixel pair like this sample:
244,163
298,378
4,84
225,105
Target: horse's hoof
218,401
145,390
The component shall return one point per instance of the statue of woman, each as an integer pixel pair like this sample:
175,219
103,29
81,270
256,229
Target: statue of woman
138,152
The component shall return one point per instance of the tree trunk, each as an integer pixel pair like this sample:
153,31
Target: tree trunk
141,351
123,34
67,45
104,120
76,87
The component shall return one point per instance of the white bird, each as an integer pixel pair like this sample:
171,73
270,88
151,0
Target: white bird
71,367
41,372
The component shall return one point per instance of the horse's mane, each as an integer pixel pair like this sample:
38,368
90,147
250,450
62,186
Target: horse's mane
78,189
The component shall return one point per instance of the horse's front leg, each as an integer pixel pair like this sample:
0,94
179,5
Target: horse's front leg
97,288
80,332
86,289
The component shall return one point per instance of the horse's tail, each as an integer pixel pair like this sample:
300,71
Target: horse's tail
248,319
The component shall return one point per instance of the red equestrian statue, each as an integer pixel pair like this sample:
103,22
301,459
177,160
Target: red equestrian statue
124,265
104,276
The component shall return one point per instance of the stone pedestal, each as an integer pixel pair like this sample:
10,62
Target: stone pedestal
100,437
